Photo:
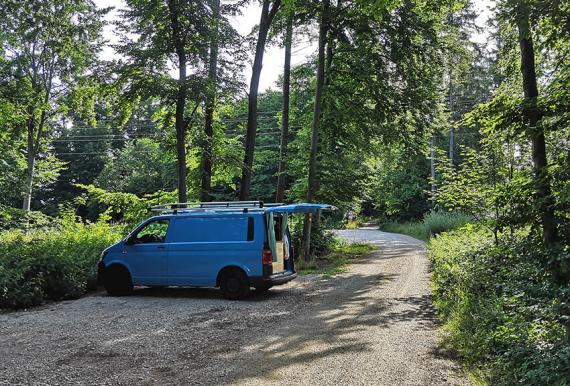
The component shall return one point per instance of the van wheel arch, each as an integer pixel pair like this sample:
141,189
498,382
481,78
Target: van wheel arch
234,282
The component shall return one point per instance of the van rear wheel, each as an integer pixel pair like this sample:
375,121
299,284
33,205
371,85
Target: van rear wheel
118,281
234,285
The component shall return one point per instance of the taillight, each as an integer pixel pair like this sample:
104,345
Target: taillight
267,257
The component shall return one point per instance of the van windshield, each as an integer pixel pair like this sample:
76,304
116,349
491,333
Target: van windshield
153,232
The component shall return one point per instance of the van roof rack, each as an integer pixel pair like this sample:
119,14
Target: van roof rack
231,206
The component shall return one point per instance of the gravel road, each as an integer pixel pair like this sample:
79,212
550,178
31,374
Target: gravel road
373,325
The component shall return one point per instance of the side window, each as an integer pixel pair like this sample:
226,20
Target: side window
153,232
213,229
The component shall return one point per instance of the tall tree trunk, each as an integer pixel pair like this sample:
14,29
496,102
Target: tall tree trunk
31,161
432,167
451,124
281,174
267,16
207,156
533,117
180,124
34,141
181,129
312,180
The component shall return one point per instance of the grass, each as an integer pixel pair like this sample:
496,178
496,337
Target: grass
433,223
336,261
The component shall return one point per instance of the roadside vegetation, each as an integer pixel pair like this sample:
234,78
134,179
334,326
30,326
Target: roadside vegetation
52,263
433,223
336,260
502,311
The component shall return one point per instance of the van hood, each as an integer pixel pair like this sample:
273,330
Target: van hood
115,247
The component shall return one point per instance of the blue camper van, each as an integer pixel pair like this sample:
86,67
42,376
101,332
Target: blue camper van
231,245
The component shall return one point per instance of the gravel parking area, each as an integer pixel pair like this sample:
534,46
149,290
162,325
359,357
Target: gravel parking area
371,325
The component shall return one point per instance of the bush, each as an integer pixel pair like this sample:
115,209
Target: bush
501,308
56,263
18,218
437,222
434,223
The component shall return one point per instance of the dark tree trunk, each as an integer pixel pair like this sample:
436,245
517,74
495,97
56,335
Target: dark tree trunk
282,173
31,158
181,130
451,126
312,181
207,156
533,117
180,124
432,167
267,16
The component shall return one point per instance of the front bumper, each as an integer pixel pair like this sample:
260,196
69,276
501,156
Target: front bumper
275,279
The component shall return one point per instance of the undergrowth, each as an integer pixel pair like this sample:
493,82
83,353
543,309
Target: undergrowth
433,223
51,263
338,259
501,309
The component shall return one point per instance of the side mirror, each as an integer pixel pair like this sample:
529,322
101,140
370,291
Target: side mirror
130,241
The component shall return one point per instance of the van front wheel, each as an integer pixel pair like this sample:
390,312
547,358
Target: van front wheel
118,281
234,285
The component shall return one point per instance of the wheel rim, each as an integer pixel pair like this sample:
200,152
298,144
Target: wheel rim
233,284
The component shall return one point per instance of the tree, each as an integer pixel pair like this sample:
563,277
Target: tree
209,105
533,117
312,178
141,167
268,11
158,35
281,173
225,63
52,45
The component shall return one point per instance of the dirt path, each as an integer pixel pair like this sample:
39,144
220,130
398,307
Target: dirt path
372,325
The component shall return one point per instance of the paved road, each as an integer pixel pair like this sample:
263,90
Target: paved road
373,325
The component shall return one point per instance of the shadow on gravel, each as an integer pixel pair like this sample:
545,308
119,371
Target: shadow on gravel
332,323
198,293
177,292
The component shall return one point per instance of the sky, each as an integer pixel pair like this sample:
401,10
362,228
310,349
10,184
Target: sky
274,56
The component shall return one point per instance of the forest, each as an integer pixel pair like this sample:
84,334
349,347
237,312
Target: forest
399,116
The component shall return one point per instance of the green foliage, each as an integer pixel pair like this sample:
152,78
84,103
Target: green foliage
501,308
53,47
13,218
321,238
51,263
433,223
141,167
125,207
400,184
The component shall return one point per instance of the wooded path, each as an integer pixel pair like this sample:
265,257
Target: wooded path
372,325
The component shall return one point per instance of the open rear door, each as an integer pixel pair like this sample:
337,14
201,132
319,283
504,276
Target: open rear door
299,208
278,236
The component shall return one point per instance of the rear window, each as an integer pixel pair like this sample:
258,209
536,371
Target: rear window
212,229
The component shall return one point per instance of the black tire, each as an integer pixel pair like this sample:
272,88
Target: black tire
234,284
118,281
263,288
